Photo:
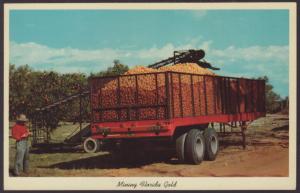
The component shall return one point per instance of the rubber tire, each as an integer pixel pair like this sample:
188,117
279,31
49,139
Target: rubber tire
96,145
180,144
209,153
191,153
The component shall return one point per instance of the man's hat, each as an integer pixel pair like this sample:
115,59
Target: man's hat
22,118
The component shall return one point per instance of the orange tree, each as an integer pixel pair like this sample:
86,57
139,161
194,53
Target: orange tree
29,89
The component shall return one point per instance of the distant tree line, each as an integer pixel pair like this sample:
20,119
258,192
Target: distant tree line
274,102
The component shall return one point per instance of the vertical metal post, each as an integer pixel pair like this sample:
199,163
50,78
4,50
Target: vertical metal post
214,89
192,94
100,103
180,96
257,96
156,96
80,111
119,97
264,95
258,91
222,96
252,96
137,113
229,95
225,95
219,97
243,129
205,99
167,95
216,81
172,93
199,90
246,95
91,101
238,95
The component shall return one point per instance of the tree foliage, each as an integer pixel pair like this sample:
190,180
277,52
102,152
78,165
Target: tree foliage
116,69
29,89
273,99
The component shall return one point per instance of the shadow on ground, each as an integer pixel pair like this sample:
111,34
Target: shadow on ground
282,128
281,119
139,159
226,143
50,150
131,160
114,161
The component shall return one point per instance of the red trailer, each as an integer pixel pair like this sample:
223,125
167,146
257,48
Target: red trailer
177,107
170,109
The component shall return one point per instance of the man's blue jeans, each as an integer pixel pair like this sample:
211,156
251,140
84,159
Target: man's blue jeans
22,156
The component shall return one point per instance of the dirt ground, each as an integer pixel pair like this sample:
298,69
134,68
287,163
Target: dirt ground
266,154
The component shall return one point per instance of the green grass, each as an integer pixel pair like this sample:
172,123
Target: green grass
64,130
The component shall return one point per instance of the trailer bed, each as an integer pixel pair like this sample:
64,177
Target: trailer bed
155,104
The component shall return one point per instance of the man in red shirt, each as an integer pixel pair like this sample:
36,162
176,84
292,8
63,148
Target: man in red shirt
21,133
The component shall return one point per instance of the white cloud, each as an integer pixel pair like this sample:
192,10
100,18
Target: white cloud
36,55
253,53
257,58
250,61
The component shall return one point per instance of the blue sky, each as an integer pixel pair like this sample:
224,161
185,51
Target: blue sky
248,43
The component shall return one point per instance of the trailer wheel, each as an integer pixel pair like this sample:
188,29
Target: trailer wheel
180,141
91,145
194,146
211,144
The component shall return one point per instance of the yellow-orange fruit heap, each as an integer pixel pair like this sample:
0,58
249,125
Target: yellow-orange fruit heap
152,91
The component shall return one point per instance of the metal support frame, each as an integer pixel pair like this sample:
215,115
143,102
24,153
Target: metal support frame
192,95
156,95
172,96
41,131
180,96
205,95
167,96
137,112
243,130
199,90
80,113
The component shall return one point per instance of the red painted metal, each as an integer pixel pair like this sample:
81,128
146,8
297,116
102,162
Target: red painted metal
212,103
162,128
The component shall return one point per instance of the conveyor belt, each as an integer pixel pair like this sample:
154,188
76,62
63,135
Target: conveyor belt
185,56
65,100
